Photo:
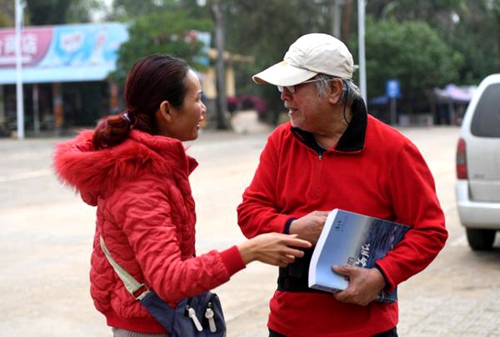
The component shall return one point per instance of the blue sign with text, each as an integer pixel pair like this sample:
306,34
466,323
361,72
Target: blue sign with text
392,89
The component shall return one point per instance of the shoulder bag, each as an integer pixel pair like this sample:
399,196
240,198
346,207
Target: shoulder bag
197,316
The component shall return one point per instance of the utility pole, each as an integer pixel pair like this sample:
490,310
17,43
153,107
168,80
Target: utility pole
220,67
19,81
361,43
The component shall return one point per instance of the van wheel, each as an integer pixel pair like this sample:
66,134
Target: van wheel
481,239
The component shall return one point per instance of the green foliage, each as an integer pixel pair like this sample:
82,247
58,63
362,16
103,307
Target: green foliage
410,51
126,10
473,37
79,11
414,10
7,13
265,29
165,33
425,44
49,12
5,21
54,12
467,27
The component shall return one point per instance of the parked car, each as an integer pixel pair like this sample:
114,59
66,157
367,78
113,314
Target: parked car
478,166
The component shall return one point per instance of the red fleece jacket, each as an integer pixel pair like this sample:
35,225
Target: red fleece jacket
385,176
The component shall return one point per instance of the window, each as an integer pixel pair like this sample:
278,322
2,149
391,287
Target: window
486,119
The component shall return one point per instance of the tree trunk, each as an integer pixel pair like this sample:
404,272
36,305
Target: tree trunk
346,20
221,120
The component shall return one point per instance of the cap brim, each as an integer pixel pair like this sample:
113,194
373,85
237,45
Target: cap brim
283,74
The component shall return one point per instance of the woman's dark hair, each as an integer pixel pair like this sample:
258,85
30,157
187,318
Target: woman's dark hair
152,80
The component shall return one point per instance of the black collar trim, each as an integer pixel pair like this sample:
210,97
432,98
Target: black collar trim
353,139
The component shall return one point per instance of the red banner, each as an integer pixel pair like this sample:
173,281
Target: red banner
34,44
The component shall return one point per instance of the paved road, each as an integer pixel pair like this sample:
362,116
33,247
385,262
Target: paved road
46,231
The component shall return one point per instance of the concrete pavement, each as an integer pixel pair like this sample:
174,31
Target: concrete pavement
46,233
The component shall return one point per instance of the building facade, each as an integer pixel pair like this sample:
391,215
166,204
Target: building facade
64,74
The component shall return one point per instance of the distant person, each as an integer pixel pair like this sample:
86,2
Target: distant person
135,170
333,154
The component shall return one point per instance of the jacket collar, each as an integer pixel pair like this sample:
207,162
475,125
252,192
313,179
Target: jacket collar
353,138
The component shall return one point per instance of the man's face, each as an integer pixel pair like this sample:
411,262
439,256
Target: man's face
306,108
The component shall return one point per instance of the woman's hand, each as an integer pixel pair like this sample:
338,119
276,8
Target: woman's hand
273,248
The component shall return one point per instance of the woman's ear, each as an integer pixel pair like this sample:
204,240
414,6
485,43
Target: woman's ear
165,110
163,118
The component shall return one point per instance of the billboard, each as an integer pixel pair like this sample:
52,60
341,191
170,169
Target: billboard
63,53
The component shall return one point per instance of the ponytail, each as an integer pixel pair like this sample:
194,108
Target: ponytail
152,80
112,131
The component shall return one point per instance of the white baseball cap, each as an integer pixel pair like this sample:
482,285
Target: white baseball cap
310,55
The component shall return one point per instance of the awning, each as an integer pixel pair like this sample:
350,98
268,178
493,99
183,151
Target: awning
61,74
380,100
454,94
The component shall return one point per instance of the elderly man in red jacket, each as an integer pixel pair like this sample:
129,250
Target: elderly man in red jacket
333,154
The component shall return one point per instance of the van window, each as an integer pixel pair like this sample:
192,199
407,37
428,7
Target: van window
486,119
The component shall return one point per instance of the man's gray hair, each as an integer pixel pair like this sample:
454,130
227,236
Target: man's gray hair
352,91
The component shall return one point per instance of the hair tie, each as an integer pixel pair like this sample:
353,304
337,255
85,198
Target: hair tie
126,117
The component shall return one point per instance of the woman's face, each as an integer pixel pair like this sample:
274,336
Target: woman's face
185,121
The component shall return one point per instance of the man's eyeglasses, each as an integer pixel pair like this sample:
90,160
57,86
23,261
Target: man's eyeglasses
292,88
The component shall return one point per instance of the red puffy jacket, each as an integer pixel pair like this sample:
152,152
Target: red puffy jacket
146,214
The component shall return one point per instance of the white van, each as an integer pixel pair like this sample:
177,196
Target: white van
478,166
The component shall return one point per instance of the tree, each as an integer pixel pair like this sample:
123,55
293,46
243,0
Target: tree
169,32
437,13
7,13
53,12
412,52
220,68
474,39
265,29
454,44
126,10
465,24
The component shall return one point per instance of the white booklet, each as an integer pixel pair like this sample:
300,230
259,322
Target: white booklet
352,239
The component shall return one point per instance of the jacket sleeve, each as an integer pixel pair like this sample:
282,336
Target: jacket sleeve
145,217
259,212
415,203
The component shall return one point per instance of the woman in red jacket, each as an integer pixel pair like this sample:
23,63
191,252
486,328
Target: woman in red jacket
135,169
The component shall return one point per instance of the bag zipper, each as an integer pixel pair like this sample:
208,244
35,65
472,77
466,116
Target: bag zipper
209,315
191,313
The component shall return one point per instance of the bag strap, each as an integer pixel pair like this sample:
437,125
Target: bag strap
131,284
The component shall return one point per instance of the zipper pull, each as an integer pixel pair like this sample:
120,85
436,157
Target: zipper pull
209,315
192,315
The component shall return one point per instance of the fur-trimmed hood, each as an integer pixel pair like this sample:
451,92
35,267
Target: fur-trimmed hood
93,173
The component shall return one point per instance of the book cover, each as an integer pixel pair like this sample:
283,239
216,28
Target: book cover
352,239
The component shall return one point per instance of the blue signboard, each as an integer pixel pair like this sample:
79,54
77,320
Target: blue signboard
62,53
392,89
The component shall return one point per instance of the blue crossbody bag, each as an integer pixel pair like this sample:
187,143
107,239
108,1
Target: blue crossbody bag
197,316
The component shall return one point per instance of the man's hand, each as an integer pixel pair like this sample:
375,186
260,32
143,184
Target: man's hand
364,284
309,226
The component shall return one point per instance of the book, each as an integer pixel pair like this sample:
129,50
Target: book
352,239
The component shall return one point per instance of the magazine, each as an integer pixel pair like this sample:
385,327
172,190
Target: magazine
352,239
